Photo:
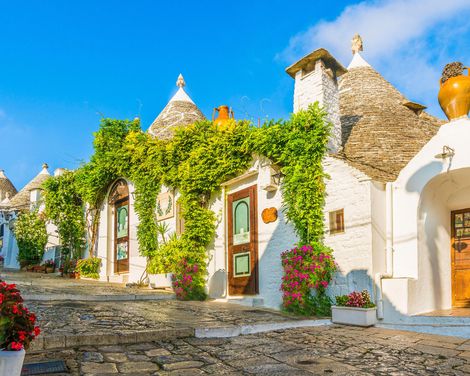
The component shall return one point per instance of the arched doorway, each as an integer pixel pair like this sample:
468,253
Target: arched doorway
119,198
444,240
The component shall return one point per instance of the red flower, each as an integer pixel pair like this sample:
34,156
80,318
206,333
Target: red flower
16,346
37,331
22,335
15,310
32,317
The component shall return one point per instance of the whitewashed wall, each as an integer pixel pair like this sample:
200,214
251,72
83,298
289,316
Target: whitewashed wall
349,189
424,194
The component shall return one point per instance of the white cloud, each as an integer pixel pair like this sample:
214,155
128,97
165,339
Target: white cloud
408,41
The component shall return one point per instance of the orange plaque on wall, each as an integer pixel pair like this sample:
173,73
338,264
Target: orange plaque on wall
269,215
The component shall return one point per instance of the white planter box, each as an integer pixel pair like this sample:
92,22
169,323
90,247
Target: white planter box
160,281
11,362
354,316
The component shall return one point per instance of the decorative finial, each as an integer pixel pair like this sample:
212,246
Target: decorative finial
45,166
356,44
180,82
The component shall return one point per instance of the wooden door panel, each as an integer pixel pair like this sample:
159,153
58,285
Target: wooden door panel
242,242
460,257
462,287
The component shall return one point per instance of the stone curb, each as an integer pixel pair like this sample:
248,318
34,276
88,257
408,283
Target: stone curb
96,298
103,339
237,330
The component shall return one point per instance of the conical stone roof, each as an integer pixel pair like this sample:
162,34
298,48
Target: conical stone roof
21,201
179,111
381,130
7,189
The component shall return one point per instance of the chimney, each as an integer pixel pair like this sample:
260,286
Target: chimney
59,171
316,80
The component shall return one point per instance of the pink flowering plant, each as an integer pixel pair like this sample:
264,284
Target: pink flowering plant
188,281
17,324
355,299
308,270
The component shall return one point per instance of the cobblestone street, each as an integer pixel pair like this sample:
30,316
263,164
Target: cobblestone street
327,350
162,337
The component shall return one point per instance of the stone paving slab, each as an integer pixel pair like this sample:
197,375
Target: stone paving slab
332,350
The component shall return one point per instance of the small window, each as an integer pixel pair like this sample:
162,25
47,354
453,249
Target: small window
337,221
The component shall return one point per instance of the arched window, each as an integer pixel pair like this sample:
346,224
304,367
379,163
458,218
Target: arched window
119,198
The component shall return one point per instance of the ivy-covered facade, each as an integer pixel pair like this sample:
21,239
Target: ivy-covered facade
208,195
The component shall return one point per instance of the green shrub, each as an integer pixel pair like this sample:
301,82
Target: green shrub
31,236
89,267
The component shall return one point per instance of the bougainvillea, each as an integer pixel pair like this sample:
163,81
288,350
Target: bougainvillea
17,324
188,281
355,299
308,271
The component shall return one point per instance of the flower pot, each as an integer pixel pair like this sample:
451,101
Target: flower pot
454,96
160,281
49,270
11,362
354,316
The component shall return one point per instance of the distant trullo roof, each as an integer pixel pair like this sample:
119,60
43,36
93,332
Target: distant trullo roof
7,189
381,129
21,201
179,111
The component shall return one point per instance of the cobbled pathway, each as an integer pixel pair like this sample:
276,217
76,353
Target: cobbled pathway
327,350
70,317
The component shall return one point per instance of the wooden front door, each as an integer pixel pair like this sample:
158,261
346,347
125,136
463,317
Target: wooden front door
460,258
121,230
243,242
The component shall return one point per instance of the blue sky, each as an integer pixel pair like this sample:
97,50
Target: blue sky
64,64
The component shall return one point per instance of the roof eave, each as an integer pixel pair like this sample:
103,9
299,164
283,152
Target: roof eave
320,54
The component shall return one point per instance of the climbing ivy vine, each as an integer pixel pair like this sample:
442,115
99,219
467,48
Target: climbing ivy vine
195,161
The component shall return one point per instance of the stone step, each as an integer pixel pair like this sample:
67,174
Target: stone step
456,330
237,330
105,339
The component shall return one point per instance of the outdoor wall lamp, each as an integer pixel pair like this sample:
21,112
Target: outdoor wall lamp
277,178
447,152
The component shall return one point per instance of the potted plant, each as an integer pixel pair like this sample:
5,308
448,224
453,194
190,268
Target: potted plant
50,266
355,308
17,330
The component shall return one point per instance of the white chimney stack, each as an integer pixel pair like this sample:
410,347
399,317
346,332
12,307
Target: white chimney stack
316,80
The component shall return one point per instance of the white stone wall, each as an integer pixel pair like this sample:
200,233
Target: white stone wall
349,189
